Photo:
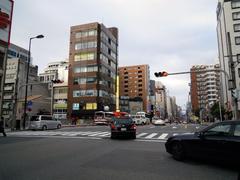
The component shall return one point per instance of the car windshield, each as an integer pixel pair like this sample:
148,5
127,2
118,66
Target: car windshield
119,121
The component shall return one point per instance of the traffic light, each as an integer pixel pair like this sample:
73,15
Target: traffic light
161,74
57,81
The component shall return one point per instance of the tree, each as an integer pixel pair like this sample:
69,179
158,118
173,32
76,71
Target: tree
215,110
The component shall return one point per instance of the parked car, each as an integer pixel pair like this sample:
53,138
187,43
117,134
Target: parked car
123,126
158,122
140,120
220,141
44,122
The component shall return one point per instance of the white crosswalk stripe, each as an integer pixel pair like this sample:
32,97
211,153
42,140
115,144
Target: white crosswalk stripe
141,134
98,134
105,135
151,135
163,136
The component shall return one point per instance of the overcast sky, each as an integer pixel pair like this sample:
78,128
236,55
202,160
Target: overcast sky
170,35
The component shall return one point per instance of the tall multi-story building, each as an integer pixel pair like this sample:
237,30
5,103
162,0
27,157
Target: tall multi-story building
15,51
6,11
161,100
93,62
135,82
205,83
228,28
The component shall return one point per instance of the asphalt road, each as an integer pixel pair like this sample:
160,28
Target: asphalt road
34,158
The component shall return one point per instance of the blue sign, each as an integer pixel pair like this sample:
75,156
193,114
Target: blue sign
29,104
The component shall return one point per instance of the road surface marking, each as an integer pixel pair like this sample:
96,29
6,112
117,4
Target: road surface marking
151,136
104,135
142,134
97,134
174,134
163,136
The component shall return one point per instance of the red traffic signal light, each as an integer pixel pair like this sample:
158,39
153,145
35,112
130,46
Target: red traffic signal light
161,74
57,81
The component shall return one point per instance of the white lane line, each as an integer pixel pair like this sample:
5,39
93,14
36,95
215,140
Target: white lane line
174,134
174,127
163,136
151,136
152,127
141,134
104,135
97,134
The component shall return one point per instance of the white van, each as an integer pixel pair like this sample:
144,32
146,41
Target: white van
44,122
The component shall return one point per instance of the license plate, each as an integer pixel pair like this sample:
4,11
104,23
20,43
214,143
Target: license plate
123,129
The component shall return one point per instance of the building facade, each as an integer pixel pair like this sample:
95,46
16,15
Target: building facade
6,10
93,62
55,70
135,82
205,85
228,28
14,88
161,100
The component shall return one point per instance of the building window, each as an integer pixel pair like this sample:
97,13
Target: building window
236,27
237,40
91,32
90,106
236,16
235,4
238,58
75,106
84,56
86,45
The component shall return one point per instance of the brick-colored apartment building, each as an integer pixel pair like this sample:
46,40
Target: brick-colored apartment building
135,82
93,62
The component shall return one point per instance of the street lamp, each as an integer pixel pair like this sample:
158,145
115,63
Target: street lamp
28,63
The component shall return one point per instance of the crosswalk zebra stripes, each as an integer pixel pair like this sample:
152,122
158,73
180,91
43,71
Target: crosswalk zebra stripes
101,134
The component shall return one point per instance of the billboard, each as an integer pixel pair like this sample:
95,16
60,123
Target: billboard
6,10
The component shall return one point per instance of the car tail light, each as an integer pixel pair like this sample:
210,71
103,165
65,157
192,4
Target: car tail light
112,126
133,126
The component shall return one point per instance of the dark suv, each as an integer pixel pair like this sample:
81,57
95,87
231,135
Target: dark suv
123,126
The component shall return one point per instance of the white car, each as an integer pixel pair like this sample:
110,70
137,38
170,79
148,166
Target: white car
140,120
159,122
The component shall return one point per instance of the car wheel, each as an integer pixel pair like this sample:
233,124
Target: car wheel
44,128
58,126
134,136
178,151
142,123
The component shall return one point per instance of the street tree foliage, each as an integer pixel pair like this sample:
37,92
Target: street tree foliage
215,111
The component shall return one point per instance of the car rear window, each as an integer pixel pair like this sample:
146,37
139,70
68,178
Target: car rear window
34,118
122,121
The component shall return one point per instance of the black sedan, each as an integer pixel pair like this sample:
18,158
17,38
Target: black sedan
220,141
123,127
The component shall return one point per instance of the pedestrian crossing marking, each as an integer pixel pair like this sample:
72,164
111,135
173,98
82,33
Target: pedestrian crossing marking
163,136
151,135
98,134
140,135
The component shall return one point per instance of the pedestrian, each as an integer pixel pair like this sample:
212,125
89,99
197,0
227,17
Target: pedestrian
2,127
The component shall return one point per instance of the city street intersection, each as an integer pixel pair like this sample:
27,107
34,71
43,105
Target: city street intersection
89,153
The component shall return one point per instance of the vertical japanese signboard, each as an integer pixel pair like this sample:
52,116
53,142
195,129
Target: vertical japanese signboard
6,10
